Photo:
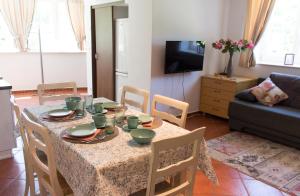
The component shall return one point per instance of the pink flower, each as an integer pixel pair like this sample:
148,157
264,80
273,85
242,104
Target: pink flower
240,43
250,45
219,45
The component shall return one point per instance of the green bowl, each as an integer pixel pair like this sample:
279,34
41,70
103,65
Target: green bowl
72,102
142,136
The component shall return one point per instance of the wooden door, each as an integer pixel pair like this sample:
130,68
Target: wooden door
104,53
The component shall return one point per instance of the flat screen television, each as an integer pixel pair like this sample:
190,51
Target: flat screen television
184,56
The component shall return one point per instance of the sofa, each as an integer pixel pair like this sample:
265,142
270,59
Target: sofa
280,123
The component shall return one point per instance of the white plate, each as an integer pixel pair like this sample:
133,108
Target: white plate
59,113
83,130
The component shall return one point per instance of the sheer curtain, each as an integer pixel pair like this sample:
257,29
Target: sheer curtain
259,12
18,15
282,35
76,12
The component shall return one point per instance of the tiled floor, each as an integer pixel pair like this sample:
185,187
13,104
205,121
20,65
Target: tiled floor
232,182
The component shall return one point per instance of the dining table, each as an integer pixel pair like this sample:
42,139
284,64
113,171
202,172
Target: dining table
116,167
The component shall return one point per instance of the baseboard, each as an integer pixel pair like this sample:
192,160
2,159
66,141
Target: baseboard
193,113
5,154
35,91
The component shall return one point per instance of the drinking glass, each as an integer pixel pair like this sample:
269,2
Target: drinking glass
88,101
110,124
120,115
80,108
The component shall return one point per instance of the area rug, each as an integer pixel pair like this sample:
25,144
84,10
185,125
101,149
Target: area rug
264,160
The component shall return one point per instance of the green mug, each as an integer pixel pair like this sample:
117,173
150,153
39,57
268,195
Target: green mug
98,107
99,120
133,122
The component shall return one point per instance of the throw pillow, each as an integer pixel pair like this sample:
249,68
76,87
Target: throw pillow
246,95
268,93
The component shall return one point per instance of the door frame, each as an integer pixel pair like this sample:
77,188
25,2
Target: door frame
93,44
93,49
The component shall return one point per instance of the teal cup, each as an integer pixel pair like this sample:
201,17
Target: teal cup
98,107
99,120
133,122
72,102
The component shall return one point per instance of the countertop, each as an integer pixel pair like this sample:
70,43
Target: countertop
4,85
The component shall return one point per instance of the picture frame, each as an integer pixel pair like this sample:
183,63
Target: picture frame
289,59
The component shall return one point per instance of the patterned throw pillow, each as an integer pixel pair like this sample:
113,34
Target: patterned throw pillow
268,93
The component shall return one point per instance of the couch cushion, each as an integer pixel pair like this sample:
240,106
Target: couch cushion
290,84
281,118
268,93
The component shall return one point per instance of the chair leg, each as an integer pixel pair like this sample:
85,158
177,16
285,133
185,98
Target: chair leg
27,186
43,191
27,183
31,181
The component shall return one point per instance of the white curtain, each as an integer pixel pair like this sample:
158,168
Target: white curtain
76,12
18,15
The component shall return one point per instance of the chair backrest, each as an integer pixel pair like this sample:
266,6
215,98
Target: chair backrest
44,96
19,123
183,106
39,141
27,159
140,92
188,165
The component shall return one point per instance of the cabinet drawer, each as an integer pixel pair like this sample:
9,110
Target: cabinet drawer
215,101
212,92
217,111
219,84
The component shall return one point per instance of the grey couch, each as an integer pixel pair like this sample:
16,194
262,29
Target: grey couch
280,123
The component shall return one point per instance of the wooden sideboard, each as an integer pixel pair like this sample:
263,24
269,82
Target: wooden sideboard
218,91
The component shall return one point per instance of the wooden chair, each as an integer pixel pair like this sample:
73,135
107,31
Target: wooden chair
140,92
44,96
187,166
183,106
30,185
39,141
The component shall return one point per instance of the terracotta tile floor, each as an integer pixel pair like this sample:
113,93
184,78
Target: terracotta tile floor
232,182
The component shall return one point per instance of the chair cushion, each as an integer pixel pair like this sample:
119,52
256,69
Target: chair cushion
290,84
280,118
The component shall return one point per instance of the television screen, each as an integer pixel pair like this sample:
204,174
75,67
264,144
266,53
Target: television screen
184,56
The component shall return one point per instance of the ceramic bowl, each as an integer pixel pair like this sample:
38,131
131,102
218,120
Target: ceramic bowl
142,136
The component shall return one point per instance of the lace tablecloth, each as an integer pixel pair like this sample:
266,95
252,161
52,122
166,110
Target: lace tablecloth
116,167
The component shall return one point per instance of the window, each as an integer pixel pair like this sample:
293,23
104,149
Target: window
52,18
282,34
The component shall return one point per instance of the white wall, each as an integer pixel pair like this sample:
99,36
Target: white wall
139,39
235,28
23,71
185,20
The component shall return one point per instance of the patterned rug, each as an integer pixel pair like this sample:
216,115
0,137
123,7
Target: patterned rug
264,160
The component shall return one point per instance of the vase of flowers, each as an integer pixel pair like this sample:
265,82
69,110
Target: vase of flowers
231,47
